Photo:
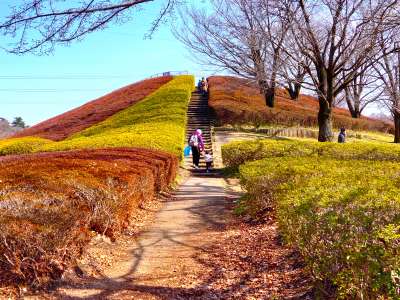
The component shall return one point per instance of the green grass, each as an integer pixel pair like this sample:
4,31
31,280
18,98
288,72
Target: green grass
21,145
237,153
156,122
343,216
339,204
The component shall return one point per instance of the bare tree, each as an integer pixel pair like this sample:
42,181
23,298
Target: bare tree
38,25
388,70
295,81
361,92
244,37
338,36
293,72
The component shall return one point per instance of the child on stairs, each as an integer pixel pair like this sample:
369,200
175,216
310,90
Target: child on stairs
208,159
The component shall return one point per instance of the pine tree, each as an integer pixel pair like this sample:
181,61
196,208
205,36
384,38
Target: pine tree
18,122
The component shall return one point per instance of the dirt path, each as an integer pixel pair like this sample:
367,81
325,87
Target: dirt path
193,249
163,263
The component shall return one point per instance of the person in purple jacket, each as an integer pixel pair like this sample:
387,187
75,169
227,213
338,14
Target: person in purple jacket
196,143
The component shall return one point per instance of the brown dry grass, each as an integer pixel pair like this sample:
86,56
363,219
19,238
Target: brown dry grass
236,101
51,204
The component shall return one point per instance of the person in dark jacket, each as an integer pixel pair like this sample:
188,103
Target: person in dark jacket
342,135
199,85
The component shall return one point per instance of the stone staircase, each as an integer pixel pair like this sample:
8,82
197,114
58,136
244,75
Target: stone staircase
198,118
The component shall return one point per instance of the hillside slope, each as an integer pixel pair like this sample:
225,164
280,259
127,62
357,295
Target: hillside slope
55,202
156,122
93,112
236,101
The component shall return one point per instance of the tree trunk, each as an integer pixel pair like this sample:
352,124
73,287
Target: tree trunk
293,90
353,109
325,133
355,114
297,88
326,99
357,102
270,93
270,97
396,128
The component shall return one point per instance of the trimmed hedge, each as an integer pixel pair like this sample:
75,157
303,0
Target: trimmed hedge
343,216
237,153
51,204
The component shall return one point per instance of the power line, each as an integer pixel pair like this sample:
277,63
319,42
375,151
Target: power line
50,90
62,77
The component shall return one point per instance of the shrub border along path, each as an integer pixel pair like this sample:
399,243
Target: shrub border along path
338,204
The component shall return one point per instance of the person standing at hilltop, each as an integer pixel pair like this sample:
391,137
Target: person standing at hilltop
199,85
204,86
196,143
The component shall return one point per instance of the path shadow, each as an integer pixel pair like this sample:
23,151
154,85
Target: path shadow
207,213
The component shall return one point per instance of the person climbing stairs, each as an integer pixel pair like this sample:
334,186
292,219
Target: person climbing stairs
198,117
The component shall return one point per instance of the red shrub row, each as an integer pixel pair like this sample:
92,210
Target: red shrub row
236,101
80,118
51,203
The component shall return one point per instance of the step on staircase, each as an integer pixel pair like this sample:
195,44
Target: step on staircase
198,117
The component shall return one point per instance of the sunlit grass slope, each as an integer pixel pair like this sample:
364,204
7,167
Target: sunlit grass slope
157,122
237,153
21,145
62,126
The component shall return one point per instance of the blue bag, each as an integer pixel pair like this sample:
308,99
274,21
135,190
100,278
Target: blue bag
187,150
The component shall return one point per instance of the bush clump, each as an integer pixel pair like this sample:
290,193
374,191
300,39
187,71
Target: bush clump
237,153
157,122
339,204
51,204
21,145
343,216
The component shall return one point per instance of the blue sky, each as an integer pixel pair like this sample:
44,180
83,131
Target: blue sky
39,87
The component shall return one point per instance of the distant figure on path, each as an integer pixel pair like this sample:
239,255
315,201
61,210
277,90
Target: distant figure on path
199,85
209,159
342,135
203,86
197,144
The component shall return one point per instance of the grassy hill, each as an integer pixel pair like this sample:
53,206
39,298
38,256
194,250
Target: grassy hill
52,203
236,101
93,112
157,122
